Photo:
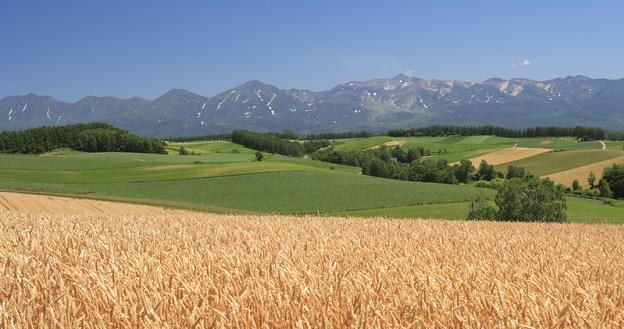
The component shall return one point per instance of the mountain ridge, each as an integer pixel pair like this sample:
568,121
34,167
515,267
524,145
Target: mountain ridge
400,101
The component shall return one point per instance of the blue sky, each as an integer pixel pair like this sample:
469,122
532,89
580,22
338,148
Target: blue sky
71,49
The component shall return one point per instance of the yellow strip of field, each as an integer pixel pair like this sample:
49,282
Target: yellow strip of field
36,204
508,155
389,144
581,173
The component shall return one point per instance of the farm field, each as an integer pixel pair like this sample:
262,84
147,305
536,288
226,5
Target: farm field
581,173
558,143
579,211
207,147
508,155
208,270
456,148
40,204
277,185
554,162
236,183
278,192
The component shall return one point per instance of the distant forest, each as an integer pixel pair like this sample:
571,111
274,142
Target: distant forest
585,133
102,137
88,137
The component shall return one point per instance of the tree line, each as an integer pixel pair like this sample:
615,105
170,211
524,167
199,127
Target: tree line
213,137
396,163
88,137
586,133
267,143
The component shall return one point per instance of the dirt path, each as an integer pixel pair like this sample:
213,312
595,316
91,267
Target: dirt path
581,173
604,145
508,155
34,204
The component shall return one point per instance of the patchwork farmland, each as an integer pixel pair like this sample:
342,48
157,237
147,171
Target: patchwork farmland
223,173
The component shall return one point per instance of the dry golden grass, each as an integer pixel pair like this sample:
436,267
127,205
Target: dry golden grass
581,173
508,155
390,144
214,271
34,204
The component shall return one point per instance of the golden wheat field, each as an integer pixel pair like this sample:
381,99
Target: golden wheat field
203,270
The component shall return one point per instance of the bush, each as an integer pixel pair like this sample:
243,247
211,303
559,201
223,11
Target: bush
259,156
576,185
531,199
614,176
480,209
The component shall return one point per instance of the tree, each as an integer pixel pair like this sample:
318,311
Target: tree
182,151
591,180
259,156
480,209
531,199
614,176
515,172
412,155
486,171
289,134
576,185
463,171
399,154
605,190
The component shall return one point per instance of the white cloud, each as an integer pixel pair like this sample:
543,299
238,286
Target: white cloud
524,62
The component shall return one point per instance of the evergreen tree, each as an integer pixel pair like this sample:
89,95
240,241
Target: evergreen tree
605,190
486,171
614,176
576,185
591,180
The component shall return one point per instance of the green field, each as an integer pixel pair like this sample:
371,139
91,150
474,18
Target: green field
553,162
579,211
357,144
558,143
456,148
218,181
226,178
206,147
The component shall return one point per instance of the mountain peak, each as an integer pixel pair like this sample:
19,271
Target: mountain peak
178,93
257,84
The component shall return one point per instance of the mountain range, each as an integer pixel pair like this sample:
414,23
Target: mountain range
402,101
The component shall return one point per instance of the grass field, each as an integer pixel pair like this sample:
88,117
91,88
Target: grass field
558,143
222,182
279,192
206,147
198,270
579,211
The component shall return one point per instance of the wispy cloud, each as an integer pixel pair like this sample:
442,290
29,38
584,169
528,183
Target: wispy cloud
524,62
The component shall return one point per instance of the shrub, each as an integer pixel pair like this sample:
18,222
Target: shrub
531,199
